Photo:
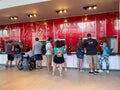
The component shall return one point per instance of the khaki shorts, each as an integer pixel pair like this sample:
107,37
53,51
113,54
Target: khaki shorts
49,58
92,59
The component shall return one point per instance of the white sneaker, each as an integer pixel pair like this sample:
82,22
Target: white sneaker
100,71
65,69
58,68
107,71
53,74
61,75
36,70
81,70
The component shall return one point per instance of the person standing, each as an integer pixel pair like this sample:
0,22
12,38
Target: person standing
58,57
37,53
104,56
64,54
9,53
80,53
90,46
49,52
17,52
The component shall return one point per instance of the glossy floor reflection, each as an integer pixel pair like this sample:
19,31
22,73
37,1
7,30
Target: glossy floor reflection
13,79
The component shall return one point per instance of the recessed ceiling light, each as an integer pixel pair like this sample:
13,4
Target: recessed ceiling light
94,7
65,11
61,11
90,7
32,15
13,17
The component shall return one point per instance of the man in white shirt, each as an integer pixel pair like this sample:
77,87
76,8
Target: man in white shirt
49,51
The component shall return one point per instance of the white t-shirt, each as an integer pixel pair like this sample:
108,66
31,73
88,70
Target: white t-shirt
48,45
30,53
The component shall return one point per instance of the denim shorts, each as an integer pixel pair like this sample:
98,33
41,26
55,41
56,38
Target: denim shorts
17,56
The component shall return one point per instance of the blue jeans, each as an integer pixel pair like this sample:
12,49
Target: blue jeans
104,57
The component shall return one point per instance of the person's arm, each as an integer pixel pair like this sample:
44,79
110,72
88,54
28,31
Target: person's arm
76,49
33,49
82,49
84,46
96,43
50,48
85,51
101,46
104,45
55,50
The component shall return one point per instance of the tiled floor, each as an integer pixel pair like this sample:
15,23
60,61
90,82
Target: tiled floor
13,79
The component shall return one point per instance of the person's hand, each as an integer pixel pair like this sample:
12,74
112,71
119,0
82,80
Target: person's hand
85,51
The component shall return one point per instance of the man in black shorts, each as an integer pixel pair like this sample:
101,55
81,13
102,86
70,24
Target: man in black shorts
9,53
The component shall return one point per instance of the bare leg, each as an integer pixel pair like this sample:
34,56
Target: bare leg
7,62
65,64
78,63
49,61
37,63
81,63
60,66
49,66
18,60
54,68
10,63
40,64
95,66
91,67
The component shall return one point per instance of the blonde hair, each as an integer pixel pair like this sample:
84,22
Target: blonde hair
80,42
59,53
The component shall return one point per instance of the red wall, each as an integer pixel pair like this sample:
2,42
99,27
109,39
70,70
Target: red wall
71,29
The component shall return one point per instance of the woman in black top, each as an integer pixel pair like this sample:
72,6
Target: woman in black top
17,52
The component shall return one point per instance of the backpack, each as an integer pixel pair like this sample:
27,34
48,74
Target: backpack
43,49
59,53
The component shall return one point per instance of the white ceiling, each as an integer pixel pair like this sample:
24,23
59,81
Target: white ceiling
13,3
46,10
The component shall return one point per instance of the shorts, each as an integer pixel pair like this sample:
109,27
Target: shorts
49,58
58,60
17,55
80,56
92,59
38,57
10,57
